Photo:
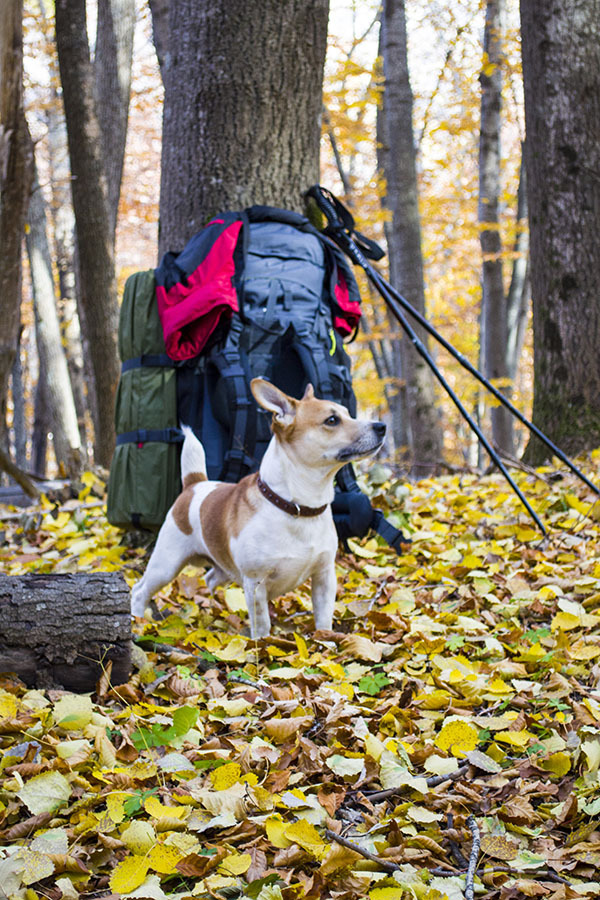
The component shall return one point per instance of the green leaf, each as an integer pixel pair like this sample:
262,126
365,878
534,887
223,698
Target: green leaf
372,684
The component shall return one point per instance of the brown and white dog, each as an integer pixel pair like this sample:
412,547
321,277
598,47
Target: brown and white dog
273,530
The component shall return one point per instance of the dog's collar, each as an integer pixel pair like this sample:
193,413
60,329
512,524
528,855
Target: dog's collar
294,509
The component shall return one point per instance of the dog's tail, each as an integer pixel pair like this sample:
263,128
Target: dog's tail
193,460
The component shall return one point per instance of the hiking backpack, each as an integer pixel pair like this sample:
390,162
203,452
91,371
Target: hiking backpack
257,293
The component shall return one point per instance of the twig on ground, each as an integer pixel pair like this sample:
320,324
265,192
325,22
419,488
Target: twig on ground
432,781
473,828
458,857
384,863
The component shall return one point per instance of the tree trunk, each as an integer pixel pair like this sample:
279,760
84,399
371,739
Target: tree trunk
63,233
41,428
64,629
561,69
159,10
52,360
99,305
243,101
15,178
112,68
397,160
19,426
519,293
494,318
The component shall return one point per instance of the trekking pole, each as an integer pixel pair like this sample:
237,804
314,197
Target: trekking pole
338,231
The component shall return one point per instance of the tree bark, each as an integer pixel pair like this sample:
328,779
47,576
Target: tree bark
519,292
63,629
98,288
243,101
63,234
15,178
52,360
159,10
398,162
112,69
494,312
561,70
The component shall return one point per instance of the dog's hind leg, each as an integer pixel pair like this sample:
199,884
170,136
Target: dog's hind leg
172,551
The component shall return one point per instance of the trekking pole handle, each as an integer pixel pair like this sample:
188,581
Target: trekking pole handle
325,205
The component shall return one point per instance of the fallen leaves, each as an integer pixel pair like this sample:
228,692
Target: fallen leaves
462,678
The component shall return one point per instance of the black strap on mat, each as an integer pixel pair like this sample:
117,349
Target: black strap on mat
158,360
151,435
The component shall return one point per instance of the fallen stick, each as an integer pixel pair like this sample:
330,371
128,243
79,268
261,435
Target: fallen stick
432,781
473,828
384,863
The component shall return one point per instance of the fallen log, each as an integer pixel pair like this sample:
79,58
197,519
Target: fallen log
61,630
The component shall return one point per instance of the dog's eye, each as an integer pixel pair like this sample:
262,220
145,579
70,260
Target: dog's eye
332,420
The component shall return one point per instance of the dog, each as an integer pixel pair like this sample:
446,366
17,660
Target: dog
274,529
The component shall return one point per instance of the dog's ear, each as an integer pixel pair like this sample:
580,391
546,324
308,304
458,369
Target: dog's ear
309,393
270,397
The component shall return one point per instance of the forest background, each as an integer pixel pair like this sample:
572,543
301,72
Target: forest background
445,60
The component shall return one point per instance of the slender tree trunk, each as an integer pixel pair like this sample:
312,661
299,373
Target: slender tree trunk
18,398
41,428
243,102
15,179
63,233
90,202
53,363
398,162
112,69
159,10
494,315
519,292
561,69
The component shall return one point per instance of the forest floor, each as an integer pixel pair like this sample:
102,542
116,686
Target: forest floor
451,719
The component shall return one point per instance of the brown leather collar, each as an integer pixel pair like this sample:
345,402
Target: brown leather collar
294,509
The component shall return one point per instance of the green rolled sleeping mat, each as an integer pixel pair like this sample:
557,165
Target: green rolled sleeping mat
144,475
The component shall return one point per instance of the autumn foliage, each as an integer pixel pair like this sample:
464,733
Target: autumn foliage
461,680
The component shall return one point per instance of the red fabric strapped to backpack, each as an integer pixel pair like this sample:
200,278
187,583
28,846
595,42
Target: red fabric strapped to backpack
190,312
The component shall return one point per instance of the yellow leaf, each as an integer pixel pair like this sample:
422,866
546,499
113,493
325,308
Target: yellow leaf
515,738
338,858
499,847
306,836
459,737
163,859
386,893
333,669
114,806
8,705
129,874
557,763
235,600
139,837
225,776
564,621
497,686
36,866
583,651
301,645
155,808
235,864
234,651
275,828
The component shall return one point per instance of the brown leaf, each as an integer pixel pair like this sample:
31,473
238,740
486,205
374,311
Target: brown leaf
258,866
518,811
27,827
197,866
103,686
331,797
279,730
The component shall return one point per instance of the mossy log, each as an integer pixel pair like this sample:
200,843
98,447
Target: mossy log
62,630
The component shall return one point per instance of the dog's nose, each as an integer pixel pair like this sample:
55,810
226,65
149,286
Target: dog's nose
379,429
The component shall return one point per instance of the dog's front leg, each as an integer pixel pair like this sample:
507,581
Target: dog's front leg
257,602
323,590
